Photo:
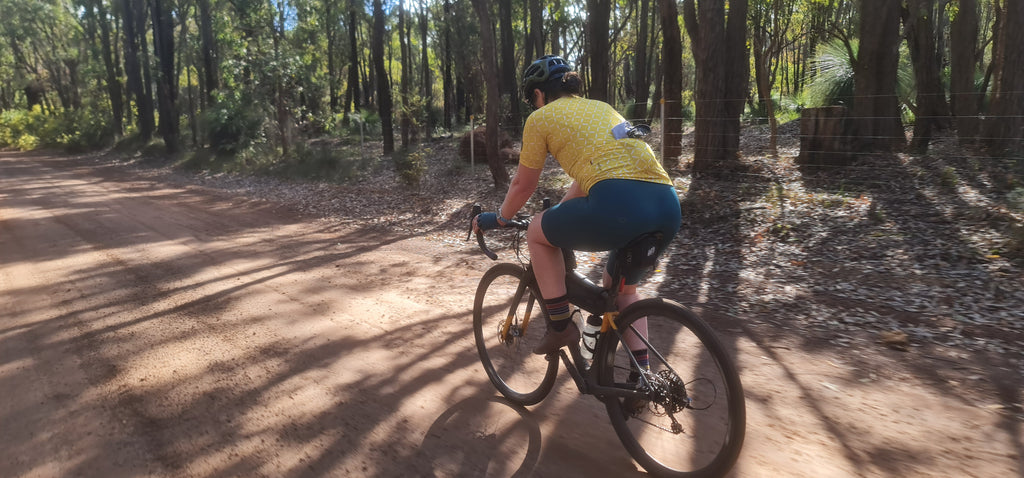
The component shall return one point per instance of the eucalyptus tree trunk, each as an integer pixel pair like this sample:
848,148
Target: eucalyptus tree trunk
535,34
876,116
1005,124
331,35
720,53
405,124
963,97
447,82
133,68
426,88
932,111
167,80
597,39
352,88
671,83
383,85
209,43
509,70
490,69
641,76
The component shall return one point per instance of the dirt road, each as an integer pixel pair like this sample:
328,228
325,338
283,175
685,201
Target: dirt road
156,330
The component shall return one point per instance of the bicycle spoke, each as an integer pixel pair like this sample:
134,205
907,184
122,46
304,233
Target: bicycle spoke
690,416
501,317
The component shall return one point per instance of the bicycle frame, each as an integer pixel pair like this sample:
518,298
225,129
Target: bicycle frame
584,294
592,298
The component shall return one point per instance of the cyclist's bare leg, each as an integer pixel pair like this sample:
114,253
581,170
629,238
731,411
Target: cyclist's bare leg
627,296
548,265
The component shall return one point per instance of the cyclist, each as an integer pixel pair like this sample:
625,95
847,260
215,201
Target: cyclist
619,191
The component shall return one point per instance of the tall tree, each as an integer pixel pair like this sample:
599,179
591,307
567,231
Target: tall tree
209,47
447,81
671,82
535,34
167,79
332,20
1005,124
719,51
598,21
876,117
508,63
641,74
405,122
555,27
426,89
113,81
931,110
489,62
770,22
963,43
130,11
383,85
352,86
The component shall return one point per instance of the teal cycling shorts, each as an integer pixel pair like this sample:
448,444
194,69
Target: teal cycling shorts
615,212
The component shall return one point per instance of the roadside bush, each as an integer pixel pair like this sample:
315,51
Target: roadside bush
411,165
76,130
27,142
85,130
234,124
370,120
17,124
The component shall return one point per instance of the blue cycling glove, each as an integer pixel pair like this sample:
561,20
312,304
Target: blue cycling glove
487,221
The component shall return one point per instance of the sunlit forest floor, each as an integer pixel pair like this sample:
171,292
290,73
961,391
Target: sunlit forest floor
915,259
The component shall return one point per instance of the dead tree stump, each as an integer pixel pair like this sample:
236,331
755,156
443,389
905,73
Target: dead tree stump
824,137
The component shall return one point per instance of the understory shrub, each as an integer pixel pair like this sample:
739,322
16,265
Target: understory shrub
75,130
234,124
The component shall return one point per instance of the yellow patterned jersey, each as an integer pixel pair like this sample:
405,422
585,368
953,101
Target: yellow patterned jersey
578,133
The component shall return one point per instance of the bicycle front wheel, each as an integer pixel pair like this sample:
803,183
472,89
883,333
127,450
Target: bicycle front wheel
689,417
508,321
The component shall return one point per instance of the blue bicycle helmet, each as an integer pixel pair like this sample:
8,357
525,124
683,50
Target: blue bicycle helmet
547,67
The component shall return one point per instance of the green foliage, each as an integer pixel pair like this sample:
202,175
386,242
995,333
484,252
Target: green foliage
76,130
411,165
948,177
27,142
84,130
234,124
369,119
14,124
322,161
832,81
1015,199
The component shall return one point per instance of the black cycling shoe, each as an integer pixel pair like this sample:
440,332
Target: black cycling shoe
553,340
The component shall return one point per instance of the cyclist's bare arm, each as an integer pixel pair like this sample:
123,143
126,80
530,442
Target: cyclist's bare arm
524,183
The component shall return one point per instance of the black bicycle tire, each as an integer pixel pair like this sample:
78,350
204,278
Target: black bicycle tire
729,453
524,398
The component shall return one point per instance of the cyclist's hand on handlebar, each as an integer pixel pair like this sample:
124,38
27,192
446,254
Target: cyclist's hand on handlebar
487,221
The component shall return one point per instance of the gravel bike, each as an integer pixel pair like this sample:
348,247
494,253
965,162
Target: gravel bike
684,416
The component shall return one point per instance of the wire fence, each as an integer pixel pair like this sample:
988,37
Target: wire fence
863,149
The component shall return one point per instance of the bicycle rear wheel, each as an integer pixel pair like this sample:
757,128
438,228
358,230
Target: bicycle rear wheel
691,419
508,321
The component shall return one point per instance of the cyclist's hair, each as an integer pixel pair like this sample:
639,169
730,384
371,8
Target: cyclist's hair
568,84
